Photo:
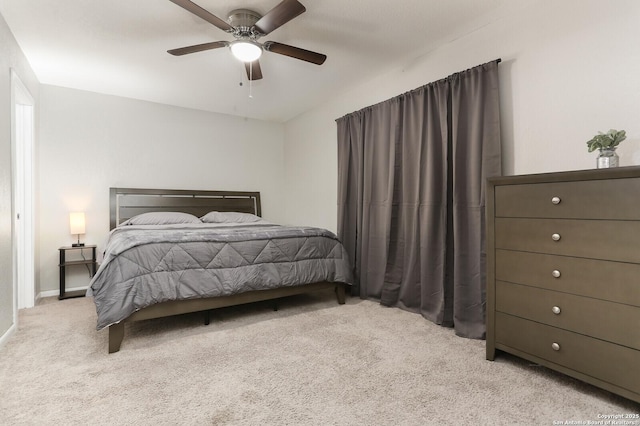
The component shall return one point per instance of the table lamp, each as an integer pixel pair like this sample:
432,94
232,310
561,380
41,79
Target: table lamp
77,226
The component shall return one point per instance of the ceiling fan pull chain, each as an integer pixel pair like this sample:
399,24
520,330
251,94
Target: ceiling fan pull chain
251,80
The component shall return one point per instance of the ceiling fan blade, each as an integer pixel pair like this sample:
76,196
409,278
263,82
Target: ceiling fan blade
204,14
295,52
198,48
279,15
253,70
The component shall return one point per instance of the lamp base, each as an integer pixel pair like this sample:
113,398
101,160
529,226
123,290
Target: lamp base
77,245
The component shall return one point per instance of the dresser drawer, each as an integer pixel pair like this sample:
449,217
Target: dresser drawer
612,281
596,239
605,361
589,199
604,320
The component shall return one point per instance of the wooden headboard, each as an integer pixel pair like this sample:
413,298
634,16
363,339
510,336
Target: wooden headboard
124,203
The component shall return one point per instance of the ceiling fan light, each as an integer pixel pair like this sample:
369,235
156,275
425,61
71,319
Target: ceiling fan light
246,51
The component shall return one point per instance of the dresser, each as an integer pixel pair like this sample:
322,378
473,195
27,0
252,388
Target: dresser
563,273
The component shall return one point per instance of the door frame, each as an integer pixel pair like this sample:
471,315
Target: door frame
22,147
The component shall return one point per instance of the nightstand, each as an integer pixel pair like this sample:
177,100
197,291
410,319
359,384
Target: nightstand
64,263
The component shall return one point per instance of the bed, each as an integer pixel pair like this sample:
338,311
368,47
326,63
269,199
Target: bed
172,252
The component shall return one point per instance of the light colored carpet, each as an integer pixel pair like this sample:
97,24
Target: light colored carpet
312,362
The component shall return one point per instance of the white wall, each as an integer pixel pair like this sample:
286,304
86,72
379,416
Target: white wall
11,57
569,69
90,142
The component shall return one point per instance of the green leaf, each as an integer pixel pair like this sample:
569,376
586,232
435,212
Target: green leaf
611,139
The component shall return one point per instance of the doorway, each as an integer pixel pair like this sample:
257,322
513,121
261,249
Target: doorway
22,143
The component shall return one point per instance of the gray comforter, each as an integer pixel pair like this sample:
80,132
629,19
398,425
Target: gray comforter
145,265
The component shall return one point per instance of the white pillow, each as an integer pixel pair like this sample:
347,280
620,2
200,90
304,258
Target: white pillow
161,218
230,217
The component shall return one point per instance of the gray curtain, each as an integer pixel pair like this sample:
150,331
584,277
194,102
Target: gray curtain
411,182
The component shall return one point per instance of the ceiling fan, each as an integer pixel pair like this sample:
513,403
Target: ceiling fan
247,26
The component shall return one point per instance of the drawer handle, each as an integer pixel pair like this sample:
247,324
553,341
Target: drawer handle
556,310
555,237
555,346
556,200
556,273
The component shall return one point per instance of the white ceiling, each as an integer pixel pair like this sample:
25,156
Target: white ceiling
119,47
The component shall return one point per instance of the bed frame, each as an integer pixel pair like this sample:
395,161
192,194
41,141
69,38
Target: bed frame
125,203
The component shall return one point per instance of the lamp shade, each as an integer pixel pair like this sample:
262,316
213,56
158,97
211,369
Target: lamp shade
76,223
246,50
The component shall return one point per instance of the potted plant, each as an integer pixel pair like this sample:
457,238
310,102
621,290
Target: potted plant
607,143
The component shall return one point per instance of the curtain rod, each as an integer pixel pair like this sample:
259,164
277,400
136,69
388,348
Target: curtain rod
448,78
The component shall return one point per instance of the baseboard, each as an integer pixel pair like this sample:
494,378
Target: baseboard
5,337
52,293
